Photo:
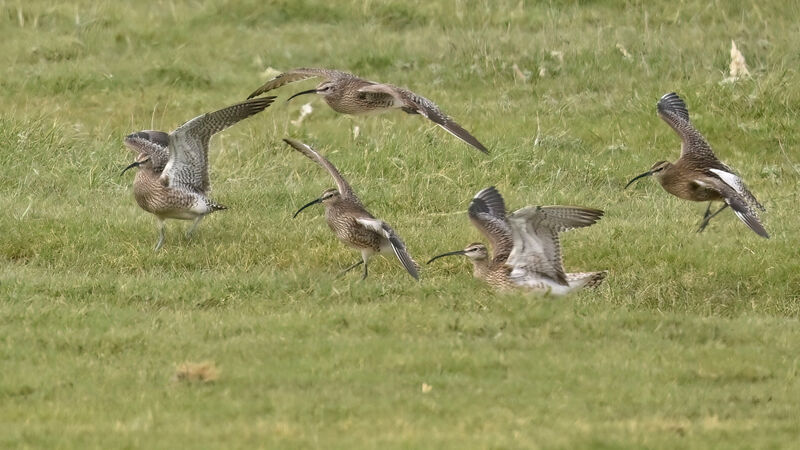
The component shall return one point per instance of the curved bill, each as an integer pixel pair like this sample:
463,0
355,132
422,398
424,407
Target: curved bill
457,252
313,202
646,174
310,91
132,165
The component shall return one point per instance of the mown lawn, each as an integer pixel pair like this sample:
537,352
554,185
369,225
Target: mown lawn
692,342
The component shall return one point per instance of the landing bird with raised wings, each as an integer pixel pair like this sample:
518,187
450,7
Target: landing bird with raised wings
351,222
172,181
348,94
698,175
527,252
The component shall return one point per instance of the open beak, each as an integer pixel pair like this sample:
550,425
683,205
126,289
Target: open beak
457,252
646,174
132,165
313,202
310,91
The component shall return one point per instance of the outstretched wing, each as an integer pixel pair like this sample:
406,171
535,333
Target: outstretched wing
733,180
154,144
341,184
398,247
188,145
739,198
537,251
487,212
296,75
417,104
694,147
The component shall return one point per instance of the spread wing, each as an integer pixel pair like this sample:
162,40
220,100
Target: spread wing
188,145
487,212
395,242
154,144
296,75
672,110
341,184
738,197
537,251
417,104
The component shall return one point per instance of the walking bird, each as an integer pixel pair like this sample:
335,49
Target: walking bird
526,249
348,94
172,181
351,222
698,175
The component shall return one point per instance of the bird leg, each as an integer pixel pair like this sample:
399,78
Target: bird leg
160,234
365,271
190,231
708,217
349,268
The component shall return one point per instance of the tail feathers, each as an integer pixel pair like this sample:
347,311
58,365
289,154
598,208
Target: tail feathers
586,279
216,206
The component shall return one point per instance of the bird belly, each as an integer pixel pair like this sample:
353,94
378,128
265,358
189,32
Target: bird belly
166,202
353,234
541,285
692,190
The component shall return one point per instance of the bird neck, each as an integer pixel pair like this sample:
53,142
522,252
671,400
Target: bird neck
480,268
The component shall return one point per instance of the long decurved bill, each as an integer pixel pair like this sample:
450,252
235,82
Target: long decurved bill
646,174
310,91
132,165
457,252
313,202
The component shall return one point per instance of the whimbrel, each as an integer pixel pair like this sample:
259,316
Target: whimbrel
351,222
527,252
172,181
348,94
698,175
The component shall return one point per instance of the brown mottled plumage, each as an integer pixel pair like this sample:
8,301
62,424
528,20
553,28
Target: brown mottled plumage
526,247
351,222
348,94
698,175
172,181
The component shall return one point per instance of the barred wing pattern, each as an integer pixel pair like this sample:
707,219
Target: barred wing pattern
537,251
694,147
188,145
297,75
341,184
398,246
487,212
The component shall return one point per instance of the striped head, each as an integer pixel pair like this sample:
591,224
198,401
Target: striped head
475,252
328,197
146,144
657,170
326,88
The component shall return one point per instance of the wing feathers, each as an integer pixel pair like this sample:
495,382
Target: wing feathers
291,76
188,145
398,247
341,184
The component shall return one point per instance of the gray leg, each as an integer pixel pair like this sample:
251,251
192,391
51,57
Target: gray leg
708,217
708,211
190,231
160,234
348,269
365,271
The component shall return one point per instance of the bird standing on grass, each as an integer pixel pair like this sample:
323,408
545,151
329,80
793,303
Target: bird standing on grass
348,94
527,252
698,175
351,222
172,181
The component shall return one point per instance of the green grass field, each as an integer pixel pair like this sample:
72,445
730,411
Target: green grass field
692,342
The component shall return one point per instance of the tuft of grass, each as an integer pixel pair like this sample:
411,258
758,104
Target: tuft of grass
191,372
